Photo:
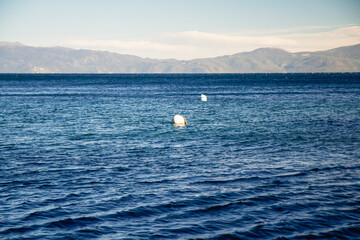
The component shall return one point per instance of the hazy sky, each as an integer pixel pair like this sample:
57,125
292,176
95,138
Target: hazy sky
184,29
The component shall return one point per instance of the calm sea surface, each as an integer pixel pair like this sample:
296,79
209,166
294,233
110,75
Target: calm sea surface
268,156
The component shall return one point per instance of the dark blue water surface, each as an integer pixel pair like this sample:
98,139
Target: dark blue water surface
272,156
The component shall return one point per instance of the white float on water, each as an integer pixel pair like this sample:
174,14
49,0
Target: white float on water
203,97
179,120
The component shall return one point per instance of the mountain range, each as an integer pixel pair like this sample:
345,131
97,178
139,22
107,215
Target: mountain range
19,58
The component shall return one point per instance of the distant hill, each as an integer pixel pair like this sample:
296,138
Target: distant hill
18,58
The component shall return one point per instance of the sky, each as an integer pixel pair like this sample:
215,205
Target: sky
185,29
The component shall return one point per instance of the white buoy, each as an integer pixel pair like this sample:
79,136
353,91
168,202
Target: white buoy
179,120
203,97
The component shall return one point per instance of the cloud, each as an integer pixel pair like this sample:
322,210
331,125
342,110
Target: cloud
138,45
293,42
220,38
242,43
196,44
149,49
325,40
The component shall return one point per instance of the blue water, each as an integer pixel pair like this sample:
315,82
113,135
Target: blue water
272,156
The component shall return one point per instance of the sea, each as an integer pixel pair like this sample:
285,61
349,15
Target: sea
96,156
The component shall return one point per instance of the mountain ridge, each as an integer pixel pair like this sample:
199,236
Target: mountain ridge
19,58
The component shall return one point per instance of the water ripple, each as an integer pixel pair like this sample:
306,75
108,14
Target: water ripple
96,157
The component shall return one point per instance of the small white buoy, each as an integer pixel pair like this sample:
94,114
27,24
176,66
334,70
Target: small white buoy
203,97
179,120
